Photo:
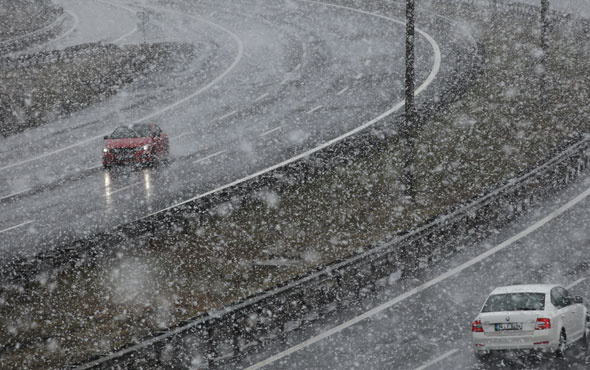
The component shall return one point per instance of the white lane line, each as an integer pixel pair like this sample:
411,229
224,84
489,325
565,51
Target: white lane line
359,76
209,156
237,60
135,29
438,359
315,109
227,115
261,97
94,168
270,131
51,153
16,226
182,135
575,283
429,79
342,91
534,227
287,79
74,26
109,193
297,67
14,194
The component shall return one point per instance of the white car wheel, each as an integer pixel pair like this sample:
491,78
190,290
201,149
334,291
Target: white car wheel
560,352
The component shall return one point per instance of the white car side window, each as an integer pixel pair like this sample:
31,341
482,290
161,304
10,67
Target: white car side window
557,299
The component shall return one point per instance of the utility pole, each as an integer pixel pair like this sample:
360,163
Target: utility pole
544,48
409,125
143,19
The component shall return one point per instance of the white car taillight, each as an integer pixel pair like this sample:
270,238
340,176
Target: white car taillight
543,323
477,327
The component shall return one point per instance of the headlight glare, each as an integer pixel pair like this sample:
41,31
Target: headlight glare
146,147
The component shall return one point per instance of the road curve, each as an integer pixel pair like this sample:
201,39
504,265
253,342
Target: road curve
277,84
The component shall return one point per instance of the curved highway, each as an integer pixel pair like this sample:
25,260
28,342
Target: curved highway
270,81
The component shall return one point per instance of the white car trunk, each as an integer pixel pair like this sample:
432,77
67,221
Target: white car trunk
510,323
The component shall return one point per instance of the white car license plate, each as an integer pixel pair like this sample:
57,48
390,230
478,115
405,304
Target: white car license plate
509,326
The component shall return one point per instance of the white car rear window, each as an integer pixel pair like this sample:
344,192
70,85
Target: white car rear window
515,302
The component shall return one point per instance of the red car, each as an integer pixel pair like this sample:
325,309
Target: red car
141,143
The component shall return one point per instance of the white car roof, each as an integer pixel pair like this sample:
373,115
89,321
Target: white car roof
525,288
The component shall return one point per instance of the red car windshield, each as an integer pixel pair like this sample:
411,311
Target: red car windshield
134,131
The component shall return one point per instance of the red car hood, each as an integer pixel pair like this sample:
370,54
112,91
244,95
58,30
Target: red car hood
127,142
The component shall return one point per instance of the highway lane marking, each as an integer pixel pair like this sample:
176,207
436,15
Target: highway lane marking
429,79
453,272
261,97
182,135
297,68
16,226
235,63
238,58
575,283
74,26
359,76
14,194
94,167
135,29
315,109
287,79
227,115
342,91
109,193
51,153
125,35
438,359
270,131
209,156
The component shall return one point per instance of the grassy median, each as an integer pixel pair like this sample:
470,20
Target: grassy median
20,17
500,127
60,83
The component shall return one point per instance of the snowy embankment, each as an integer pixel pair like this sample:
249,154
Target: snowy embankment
23,23
38,88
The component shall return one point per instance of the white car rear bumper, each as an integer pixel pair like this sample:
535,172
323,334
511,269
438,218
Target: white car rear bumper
537,341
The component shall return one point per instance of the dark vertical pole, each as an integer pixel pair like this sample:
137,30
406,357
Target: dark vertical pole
410,31
544,48
494,6
408,126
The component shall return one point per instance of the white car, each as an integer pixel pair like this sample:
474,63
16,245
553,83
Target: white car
531,317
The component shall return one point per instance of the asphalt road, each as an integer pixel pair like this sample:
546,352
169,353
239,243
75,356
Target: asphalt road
271,81
430,328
